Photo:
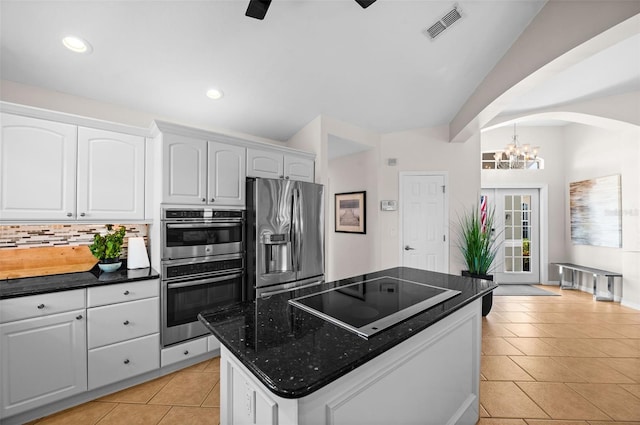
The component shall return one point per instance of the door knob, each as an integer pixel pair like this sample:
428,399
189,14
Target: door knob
408,248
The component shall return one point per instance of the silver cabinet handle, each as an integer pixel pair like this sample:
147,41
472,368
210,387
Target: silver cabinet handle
126,361
126,322
41,306
79,317
69,215
408,248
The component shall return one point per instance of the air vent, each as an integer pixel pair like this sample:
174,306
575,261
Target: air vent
445,22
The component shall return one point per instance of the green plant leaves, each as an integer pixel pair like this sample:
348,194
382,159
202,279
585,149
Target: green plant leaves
478,247
109,245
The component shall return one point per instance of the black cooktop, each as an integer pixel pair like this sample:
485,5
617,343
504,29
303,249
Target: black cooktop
371,306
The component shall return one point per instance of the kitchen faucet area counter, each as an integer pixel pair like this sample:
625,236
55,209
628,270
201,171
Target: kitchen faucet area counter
282,364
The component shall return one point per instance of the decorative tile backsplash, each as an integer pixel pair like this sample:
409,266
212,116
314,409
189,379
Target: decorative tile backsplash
32,236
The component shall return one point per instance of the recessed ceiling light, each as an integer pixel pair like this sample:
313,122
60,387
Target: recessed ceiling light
214,94
76,44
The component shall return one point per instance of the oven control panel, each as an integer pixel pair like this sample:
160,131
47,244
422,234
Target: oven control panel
188,269
200,213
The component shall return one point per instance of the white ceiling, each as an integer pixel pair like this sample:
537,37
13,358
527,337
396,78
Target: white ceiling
370,67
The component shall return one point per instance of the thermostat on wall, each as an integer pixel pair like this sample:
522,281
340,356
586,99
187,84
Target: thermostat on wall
388,205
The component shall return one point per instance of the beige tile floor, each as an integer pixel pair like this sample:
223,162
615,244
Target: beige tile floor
564,360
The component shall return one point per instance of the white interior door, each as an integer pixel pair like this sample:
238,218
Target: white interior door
422,206
517,230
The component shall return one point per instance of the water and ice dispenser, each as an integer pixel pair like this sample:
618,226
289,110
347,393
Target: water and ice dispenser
277,252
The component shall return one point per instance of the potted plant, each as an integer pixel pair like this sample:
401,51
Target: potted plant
107,248
478,248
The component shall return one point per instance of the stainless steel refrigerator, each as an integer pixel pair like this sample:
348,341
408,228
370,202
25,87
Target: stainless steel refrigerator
285,235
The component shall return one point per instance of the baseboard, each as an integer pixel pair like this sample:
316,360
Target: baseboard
634,306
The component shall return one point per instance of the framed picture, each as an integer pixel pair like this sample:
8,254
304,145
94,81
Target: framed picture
351,212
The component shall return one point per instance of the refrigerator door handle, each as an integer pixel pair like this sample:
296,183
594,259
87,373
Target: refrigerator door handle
295,228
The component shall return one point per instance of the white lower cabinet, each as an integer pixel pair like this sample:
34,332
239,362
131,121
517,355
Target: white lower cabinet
44,359
118,322
116,362
123,331
184,351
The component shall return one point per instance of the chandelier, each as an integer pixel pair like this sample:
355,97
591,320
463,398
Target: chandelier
517,156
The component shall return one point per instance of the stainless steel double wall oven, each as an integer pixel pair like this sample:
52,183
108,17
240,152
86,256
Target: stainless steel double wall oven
203,267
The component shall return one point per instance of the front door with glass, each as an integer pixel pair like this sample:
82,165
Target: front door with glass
517,231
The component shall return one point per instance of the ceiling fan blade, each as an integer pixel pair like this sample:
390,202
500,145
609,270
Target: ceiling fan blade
365,3
258,8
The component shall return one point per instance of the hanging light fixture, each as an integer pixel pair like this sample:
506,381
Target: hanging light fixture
517,156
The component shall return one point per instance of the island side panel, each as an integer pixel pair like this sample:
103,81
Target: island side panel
431,378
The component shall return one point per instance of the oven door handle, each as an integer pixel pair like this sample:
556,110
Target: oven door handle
226,223
203,282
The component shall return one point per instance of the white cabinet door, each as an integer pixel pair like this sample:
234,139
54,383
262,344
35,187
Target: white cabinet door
265,164
184,170
37,169
110,175
296,168
227,174
43,360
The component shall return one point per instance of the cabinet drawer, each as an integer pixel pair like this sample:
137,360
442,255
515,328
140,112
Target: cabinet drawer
183,351
41,305
121,292
123,360
120,322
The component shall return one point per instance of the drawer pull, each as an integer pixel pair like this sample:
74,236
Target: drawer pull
126,322
126,361
126,292
186,352
79,316
41,306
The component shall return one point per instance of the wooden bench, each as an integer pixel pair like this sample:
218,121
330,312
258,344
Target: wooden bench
575,269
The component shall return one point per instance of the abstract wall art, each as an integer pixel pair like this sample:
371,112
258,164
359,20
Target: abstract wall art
596,217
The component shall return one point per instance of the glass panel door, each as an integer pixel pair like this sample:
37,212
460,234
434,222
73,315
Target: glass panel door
517,232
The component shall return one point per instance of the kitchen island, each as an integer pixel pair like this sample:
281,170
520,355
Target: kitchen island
283,365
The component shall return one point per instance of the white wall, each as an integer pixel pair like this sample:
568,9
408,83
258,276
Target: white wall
37,97
426,150
596,152
352,254
551,142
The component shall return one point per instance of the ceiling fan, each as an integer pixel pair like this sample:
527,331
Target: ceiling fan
258,8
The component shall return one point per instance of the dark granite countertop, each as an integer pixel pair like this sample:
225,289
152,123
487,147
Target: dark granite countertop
294,353
11,288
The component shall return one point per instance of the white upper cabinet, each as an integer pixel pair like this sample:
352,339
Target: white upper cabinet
227,174
200,172
37,169
110,175
276,165
53,171
265,164
297,168
184,170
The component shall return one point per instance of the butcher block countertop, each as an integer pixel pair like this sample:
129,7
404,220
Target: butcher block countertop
11,288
